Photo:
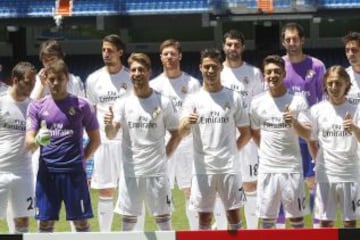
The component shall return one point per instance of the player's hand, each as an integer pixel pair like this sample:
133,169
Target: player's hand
109,117
288,116
43,136
42,77
193,117
348,123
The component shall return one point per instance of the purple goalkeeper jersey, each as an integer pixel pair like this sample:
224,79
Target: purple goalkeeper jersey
305,78
66,119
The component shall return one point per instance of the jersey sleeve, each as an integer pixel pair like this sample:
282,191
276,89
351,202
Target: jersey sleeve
259,83
171,117
188,106
241,113
254,119
89,89
90,121
314,124
79,86
32,120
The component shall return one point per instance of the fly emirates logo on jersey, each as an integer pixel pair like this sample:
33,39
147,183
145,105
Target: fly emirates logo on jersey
336,130
111,96
275,123
214,117
57,130
15,124
146,122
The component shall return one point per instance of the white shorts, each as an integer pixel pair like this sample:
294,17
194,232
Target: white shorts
329,195
180,164
204,188
249,162
17,189
133,191
276,188
107,165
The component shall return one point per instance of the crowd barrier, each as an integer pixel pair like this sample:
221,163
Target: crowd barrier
277,234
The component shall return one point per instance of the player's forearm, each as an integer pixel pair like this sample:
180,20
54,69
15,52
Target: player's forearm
255,134
244,138
184,127
173,143
302,130
30,142
356,131
111,130
313,148
93,144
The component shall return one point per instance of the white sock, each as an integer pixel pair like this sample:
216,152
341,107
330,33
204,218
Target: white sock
219,215
10,220
140,224
250,210
192,216
72,226
105,213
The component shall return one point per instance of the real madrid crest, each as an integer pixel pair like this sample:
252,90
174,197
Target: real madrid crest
246,80
309,74
184,89
124,86
72,111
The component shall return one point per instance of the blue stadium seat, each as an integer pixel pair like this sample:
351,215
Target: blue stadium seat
338,3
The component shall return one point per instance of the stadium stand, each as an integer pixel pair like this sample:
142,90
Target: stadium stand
46,8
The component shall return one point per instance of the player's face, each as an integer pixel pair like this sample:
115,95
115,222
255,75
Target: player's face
274,76
110,54
170,58
57,84
292,42
210,70
352,51
25,85
140,75
46,59
233,49
336,88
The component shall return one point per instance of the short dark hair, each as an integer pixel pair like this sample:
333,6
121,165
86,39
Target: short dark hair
21,68
57,67
234,34
171,43
275,59
351,36
51,47
115,40
212,53
292,26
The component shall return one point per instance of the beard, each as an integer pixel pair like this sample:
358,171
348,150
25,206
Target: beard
233,56
108,62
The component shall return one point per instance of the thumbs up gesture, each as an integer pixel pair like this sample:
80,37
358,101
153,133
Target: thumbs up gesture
193,117
43,136
288,115
109,116
348,122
